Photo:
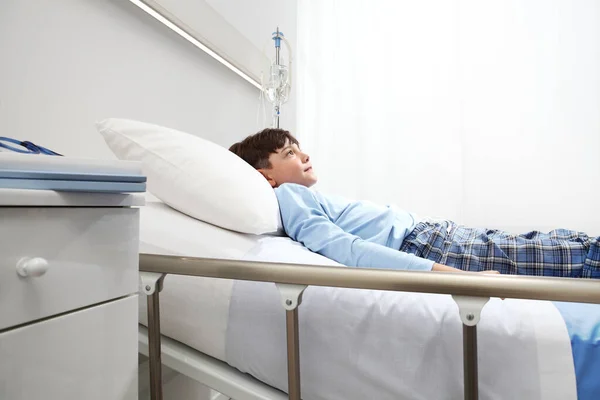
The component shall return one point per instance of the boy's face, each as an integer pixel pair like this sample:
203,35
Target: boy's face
289,165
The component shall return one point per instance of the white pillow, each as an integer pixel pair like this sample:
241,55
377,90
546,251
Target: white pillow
195,176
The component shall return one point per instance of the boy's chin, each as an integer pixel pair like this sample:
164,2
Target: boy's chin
311,182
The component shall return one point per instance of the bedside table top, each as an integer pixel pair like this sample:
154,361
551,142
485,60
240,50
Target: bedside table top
51,198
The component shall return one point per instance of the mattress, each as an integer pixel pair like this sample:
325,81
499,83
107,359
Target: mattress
195,310
220,318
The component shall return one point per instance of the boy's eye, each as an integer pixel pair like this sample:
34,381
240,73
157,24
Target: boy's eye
290,152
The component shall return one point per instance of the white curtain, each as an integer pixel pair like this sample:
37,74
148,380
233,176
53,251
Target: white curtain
484,112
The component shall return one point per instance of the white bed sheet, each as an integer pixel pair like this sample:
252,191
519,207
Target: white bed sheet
195,310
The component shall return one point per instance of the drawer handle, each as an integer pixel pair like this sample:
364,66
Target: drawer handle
32,266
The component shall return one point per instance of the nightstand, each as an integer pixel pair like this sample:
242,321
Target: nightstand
68,295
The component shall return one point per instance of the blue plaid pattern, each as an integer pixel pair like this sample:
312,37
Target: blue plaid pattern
560,252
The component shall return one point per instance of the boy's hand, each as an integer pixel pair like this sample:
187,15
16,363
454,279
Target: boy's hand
445,268
489,272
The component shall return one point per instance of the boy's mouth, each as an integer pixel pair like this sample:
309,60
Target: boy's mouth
308,169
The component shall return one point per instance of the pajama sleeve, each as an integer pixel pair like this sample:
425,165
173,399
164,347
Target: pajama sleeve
306,221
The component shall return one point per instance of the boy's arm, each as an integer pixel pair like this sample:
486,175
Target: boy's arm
305,221
322,236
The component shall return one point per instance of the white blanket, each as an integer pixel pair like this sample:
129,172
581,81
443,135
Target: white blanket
365,344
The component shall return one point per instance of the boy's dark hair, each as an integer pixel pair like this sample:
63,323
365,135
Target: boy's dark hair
255,149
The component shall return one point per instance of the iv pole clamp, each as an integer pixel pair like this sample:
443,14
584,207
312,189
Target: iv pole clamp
279,84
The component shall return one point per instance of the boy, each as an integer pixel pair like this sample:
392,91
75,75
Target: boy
357,233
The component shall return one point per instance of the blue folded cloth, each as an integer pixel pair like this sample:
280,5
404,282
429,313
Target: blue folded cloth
30,171
583,325
73,185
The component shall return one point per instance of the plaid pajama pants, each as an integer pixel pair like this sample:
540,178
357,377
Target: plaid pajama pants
560,252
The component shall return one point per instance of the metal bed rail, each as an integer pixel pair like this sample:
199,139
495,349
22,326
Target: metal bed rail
470,291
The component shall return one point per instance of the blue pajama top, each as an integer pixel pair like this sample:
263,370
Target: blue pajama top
353,233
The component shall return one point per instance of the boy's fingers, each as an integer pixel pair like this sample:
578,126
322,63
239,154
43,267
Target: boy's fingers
490,272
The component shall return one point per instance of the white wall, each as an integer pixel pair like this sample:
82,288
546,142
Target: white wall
377,102
485,112
200,20
240,31
531,113
256,20
68,63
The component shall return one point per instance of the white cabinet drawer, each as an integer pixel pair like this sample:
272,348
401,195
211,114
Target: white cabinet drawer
91,256
90,354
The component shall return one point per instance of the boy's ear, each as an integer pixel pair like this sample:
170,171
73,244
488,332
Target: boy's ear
268,177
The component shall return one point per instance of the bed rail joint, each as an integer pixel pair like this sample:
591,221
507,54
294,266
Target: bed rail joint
291,295
469,308
149,281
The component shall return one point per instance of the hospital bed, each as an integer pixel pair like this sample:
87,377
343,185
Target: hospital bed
221,323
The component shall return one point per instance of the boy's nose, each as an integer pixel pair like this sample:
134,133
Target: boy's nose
305,158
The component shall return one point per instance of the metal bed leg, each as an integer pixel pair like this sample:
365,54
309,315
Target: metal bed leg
470,312
293,354
470,362
151,285
291,296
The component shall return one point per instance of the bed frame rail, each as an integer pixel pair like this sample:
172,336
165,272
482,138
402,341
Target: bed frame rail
472,289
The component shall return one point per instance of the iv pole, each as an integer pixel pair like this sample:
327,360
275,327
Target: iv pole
279,84
277,39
